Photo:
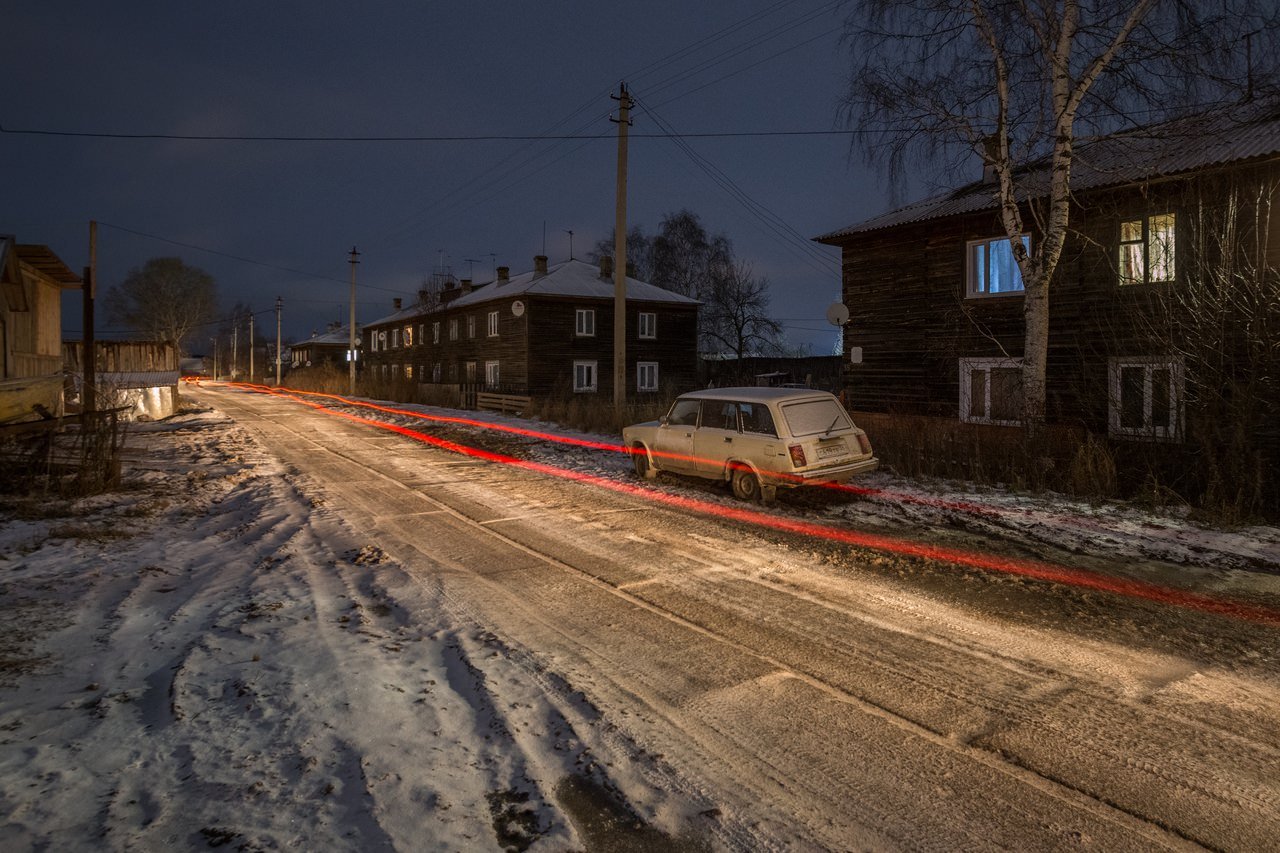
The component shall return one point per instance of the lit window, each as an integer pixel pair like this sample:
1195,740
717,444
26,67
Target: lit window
992,269
1147,249
991,391
1145,397
408,371
585,322
648,325
647,374
491,374
493,324
584,376
408,336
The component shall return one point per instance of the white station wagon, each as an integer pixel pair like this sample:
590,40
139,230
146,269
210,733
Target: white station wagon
757,439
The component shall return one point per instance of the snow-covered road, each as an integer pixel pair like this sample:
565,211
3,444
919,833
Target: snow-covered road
346,639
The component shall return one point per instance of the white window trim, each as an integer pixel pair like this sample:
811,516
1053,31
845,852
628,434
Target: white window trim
493,324
435,333
652,332
595,376
580,327
971,272
471,326
492,374
453,328
1177,392
967,365
640,370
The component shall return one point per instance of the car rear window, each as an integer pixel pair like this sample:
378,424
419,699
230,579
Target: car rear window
815,417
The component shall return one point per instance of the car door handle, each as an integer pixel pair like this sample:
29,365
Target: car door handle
728,439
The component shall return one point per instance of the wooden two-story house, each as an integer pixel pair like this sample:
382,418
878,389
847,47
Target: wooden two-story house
1164,301
546,331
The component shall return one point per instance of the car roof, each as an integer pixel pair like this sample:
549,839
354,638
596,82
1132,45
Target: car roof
755,394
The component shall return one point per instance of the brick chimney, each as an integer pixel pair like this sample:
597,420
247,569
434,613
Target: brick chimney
631,269
539,265
606,268
466,285
396,303
504,274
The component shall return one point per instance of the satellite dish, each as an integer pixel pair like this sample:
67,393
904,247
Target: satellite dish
517,308
837,314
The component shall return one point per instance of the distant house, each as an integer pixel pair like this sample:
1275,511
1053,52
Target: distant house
32,280
329,347
1172,242
547,331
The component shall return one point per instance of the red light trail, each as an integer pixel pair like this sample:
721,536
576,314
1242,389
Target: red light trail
1034,569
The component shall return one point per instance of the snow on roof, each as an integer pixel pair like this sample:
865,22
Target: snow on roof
338,336
1223,135
569,278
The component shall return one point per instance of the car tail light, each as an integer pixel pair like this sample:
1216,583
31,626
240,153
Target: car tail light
864,442
797,456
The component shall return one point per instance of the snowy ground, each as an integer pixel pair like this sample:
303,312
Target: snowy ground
211,656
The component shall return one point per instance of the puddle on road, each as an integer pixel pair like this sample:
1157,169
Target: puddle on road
606,825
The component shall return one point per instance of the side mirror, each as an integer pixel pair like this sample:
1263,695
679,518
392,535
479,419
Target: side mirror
662,420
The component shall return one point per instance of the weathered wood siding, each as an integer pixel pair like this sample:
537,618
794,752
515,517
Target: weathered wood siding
906,291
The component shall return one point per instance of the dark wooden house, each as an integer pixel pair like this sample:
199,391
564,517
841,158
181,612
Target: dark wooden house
1165,295
547,331
328,347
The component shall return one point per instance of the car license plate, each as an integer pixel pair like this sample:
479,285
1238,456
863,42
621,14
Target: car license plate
829,451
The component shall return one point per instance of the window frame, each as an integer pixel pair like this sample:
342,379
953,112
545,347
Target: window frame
967,366
435,332
652,332
493,324
453,328
586,387
1146,248
584,322
492,374
641,368
471,326
971,268
1149,431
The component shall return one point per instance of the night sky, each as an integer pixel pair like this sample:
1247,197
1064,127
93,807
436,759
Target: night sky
290,211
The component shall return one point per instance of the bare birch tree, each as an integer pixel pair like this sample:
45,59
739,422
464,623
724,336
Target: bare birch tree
1017,82
165,299
735,313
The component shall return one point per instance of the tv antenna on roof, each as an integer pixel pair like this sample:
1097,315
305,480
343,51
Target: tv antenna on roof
470,268
570,233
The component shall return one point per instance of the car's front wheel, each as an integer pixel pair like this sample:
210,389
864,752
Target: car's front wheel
640,460
746,485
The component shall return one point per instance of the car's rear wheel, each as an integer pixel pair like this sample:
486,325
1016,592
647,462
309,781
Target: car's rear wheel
640,461
746,485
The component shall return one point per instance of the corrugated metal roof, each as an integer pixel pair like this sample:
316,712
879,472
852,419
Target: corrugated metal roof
1229,134
338,337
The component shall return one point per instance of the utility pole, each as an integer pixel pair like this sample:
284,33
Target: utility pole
250,347
570,233
620,256
89,358
353,259
215,359
279,305
235,350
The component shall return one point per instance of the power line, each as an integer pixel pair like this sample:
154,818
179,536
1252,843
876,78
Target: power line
478,138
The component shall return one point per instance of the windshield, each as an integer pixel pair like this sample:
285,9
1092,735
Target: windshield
815,417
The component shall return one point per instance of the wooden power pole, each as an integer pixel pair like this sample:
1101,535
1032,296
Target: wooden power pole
353,259
620,256
89,356
251,347
279,305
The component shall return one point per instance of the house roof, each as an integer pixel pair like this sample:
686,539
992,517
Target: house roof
44,261
338,337
1227,134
